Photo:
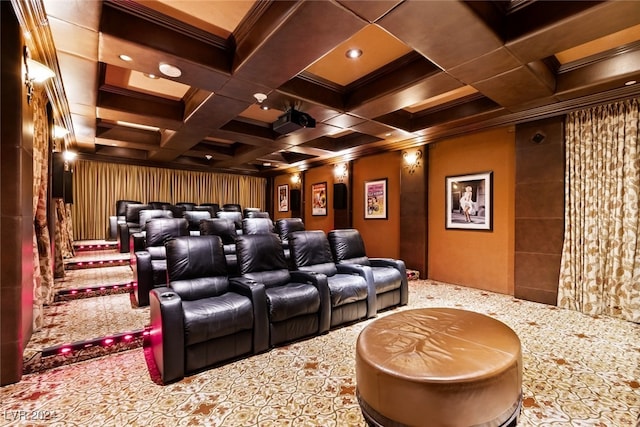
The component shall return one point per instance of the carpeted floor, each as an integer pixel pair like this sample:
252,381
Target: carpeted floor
578,371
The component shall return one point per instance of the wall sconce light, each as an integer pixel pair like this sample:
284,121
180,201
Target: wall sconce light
69,156
340,172
295,178
59,132
34,72
412,160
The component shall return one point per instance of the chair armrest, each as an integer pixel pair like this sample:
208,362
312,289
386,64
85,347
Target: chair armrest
113,228
366,272
256,293
137,242
123,237
398,264
143,275
167,333
318,280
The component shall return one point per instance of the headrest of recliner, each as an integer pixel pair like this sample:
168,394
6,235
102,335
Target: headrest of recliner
133,211
159,230
311,248
148,214
346,244
236,217
225,228
257,226
194,218
260,252
286,226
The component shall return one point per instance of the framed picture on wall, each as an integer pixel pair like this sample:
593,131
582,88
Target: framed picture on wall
319,198
283,198
469,201
375,199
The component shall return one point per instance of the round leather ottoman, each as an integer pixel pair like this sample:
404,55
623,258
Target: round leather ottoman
439,367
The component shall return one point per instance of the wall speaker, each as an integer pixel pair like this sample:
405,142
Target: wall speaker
340,196
538,137
295,199
68,187
57,176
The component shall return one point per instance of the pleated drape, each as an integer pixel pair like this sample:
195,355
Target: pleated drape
98,185
600,270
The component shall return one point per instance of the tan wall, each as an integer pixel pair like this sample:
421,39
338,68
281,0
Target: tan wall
479,259
381,237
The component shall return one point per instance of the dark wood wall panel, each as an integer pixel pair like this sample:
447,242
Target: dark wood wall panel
539,210
413,214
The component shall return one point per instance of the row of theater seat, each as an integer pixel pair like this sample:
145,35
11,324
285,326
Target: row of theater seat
205,316
148,257
131,217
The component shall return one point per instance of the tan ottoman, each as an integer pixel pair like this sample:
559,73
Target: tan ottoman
439,367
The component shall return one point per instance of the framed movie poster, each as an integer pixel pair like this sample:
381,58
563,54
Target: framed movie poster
283,198
469,201
375,199
319,198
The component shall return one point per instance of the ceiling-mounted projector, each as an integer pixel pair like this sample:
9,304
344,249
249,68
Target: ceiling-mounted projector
293,120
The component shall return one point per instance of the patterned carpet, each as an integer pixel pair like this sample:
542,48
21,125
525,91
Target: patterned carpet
578,371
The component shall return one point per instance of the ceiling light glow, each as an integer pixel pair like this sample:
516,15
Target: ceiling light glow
126,58
169,70
354,53
630,82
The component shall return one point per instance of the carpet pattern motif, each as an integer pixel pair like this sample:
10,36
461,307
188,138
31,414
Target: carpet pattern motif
578,371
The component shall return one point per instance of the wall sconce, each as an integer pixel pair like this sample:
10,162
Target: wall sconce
34,72
69,156
412,160
295,179
340,172
59,132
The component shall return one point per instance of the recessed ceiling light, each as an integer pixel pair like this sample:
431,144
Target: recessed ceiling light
264,107
354,53
169,70
208,156
267,164
387,134
630,82
151,76
126,58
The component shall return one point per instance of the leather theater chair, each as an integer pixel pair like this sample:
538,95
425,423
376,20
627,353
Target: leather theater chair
137,238
247,211
284,228
257,214
150,265
226,230
232,207
353,298
119,218
158,205
234,216
212,208
194,218
297,302
257,226
389,275
188,206
130,225
202,318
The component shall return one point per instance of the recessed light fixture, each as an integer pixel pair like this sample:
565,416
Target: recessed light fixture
169,70
354,53
266,164
630,82
126,58
208,156
151,76
264,107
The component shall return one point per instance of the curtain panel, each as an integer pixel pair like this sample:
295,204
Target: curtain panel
98,185
600,268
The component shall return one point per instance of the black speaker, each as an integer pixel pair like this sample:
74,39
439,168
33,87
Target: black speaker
340,196
295,199
57,176
68,187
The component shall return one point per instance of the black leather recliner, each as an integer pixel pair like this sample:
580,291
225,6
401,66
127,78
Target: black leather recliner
298,303
352,296
257,226
257,214
234,216
137,235
203,318
284,228
150,265
226,230
212,208
188,206
232,207
119,217
389,275
194,218
131,224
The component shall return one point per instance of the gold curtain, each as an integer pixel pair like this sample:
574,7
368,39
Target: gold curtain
43,282
98,185
600,270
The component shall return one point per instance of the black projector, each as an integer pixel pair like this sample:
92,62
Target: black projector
293,120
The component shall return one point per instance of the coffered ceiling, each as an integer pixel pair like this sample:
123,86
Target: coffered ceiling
428,70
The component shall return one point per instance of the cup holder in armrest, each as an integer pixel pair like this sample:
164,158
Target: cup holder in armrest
167,295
